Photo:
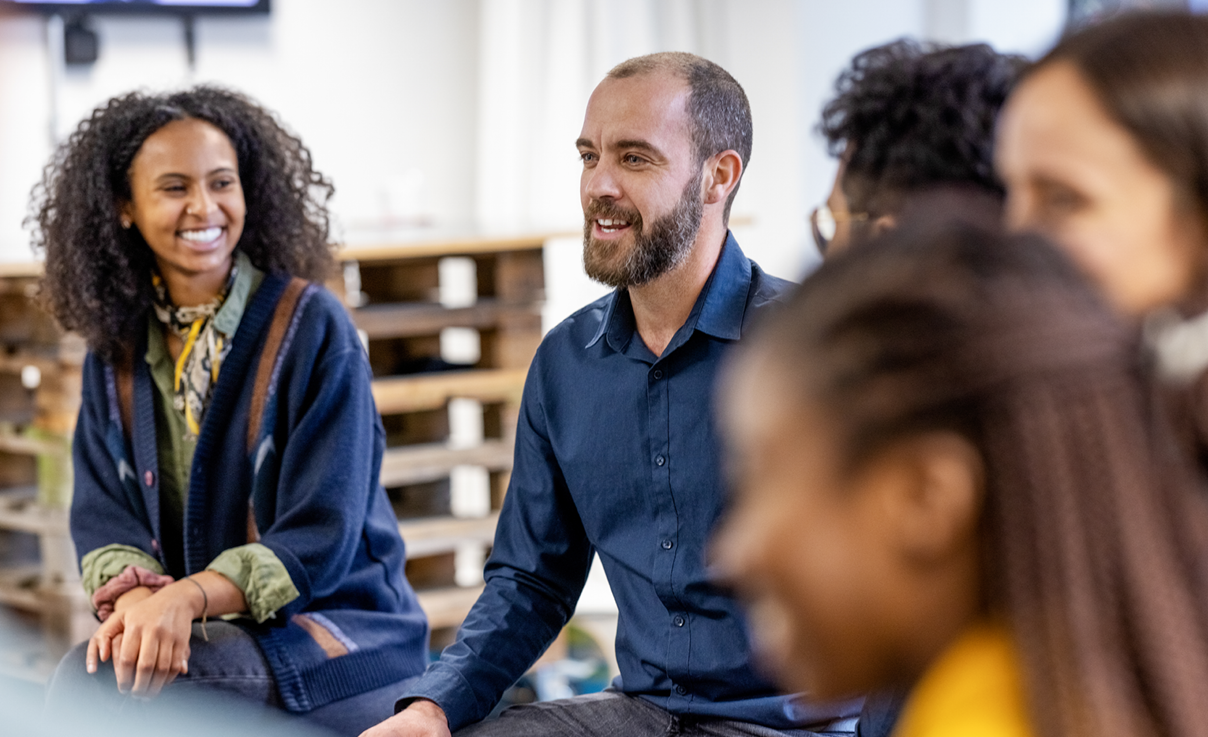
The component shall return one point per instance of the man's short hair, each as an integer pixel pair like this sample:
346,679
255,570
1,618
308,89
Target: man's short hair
717,104
914,116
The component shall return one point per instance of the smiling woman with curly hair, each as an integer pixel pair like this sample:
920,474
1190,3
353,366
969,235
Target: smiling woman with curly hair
228,448
98,273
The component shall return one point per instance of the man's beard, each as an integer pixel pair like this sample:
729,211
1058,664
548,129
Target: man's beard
655,252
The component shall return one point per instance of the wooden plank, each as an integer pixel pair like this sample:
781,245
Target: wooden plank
25,269
443,534
429,245
433,391
19,511
11,442
415,319
19,587
448,607
418,464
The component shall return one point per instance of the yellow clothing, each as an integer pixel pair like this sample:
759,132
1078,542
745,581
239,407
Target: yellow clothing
974,689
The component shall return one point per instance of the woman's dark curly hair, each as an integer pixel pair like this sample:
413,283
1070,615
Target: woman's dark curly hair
98,274
915,116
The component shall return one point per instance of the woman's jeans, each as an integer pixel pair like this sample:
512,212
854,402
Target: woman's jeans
230,664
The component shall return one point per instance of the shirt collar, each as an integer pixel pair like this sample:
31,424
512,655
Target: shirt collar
726,300
718,310
247,278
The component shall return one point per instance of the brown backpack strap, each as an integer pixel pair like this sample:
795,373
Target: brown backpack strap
124,376
282,317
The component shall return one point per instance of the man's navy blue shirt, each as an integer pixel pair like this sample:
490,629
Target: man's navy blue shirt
616,454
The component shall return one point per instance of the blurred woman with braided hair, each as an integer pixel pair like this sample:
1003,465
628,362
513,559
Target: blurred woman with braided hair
227,452
951,475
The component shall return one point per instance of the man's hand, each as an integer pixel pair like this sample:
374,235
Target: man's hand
423,718
148,638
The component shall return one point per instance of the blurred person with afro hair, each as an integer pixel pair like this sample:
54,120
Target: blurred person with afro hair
909,118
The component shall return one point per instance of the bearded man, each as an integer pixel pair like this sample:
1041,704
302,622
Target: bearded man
616,452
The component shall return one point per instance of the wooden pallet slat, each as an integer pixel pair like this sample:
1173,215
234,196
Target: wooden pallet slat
447,607
408,320
20,512
19,587
436,535
417,464
421,392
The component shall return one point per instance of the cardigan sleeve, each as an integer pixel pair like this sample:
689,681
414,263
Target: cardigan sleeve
329,442
107,509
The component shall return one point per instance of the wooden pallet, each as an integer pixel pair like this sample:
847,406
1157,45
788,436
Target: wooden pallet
393,289
39,399
395,295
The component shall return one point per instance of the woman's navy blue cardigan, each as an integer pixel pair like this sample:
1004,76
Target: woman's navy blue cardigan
311,476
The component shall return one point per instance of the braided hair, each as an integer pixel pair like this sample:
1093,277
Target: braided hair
98,274
1094,521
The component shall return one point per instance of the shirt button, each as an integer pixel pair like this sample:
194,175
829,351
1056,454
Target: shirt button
680,689
661,460
149,478
667,544
658,373
679,621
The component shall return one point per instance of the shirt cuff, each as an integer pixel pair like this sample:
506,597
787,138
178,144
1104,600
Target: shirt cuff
450,690
102,564
260,575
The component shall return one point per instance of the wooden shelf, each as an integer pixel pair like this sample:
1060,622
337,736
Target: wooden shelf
20,512
409,320
447,607
436,535
11,442
19,587
21,269
406,244
417,464
422,392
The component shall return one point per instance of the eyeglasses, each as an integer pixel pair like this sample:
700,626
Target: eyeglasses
825,223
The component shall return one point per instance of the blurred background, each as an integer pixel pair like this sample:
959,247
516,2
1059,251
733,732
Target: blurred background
466,111
449,123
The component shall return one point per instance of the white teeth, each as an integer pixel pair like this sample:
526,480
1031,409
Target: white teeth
611,226
201,236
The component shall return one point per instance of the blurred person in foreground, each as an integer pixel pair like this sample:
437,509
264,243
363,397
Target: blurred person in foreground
1104,148
908,118
227,451
952,476
910,123
616,453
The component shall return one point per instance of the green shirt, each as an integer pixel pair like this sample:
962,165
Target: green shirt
254,568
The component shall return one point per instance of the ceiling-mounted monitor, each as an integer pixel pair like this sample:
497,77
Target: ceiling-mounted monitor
143,6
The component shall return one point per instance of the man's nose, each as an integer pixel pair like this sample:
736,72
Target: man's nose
602,182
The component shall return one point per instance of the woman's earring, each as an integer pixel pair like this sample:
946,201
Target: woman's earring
126,223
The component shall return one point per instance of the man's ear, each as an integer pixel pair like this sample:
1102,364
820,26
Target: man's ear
721,175
883,223
934,511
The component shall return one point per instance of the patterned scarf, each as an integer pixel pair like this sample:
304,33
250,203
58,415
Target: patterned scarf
204,350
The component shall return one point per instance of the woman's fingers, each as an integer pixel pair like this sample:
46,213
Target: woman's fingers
125,661
148,659
91,656
100,645
166,667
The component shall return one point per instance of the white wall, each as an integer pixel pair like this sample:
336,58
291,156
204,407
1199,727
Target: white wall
467,109
380,90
